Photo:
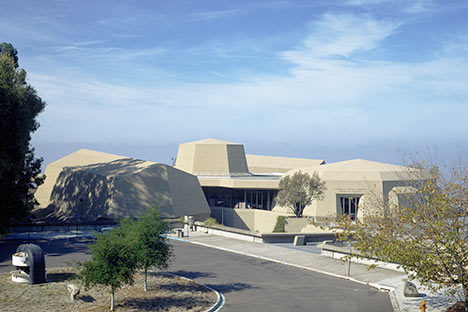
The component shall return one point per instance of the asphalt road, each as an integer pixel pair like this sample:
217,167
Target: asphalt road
251,284
248,284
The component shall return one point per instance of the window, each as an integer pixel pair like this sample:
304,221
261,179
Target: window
349,205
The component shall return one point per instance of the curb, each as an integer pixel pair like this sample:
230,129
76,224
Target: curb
220,298
390,290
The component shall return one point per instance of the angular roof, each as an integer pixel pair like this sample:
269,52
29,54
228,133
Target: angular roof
78,158
363,170
259,164
97,184
212,157
126,188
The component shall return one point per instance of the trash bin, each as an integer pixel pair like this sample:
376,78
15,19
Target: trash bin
30,265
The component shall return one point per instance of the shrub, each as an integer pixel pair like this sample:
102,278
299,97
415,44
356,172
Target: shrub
210,222
280,224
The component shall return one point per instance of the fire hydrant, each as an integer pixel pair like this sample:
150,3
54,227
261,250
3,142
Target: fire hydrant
422,306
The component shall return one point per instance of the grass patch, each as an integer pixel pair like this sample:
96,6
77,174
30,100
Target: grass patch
165,293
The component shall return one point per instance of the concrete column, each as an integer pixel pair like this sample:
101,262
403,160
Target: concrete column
268,200
245,198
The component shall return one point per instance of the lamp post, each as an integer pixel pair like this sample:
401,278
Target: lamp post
81,212
81,209
349,260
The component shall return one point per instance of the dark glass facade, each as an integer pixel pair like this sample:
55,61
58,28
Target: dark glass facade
240,198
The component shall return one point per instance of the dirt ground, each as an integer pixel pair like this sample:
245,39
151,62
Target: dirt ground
165,293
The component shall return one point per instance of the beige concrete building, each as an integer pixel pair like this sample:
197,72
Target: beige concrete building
217,177
231,179
355,185
223,172
89,185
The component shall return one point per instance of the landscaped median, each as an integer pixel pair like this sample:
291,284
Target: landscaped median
165,292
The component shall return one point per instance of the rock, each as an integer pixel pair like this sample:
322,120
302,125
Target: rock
73,290
410,290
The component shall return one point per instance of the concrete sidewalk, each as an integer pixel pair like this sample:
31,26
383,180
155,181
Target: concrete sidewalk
308,257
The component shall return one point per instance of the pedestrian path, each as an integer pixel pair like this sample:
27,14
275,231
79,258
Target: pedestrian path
307,257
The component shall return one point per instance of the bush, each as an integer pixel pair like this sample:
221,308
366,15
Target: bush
280,224
210,222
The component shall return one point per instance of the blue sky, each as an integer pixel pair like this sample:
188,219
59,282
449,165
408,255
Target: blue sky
333,80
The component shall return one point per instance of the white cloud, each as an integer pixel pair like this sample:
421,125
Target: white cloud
322,98
341,35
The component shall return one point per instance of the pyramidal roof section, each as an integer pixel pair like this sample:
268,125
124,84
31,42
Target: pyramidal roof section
212,157
212,141
119,167
86,156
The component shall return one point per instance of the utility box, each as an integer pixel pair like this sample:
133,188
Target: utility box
190,222
30,265
299,240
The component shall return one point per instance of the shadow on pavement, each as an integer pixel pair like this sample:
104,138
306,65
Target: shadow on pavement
230,287
176,287
193,274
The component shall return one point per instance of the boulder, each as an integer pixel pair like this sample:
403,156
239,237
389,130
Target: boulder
74,291
410,290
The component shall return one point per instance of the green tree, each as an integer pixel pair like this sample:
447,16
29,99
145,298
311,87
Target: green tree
152,247
298,191
113,262
19,169
427,236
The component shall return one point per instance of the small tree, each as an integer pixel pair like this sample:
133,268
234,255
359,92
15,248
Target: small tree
113,262
298,191
428,236
152,247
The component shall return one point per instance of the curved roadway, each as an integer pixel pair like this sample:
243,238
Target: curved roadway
248,284
251,284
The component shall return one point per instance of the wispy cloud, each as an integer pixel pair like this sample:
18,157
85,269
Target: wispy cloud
405,6
420,6
216,73
340,35
212,15
110,54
